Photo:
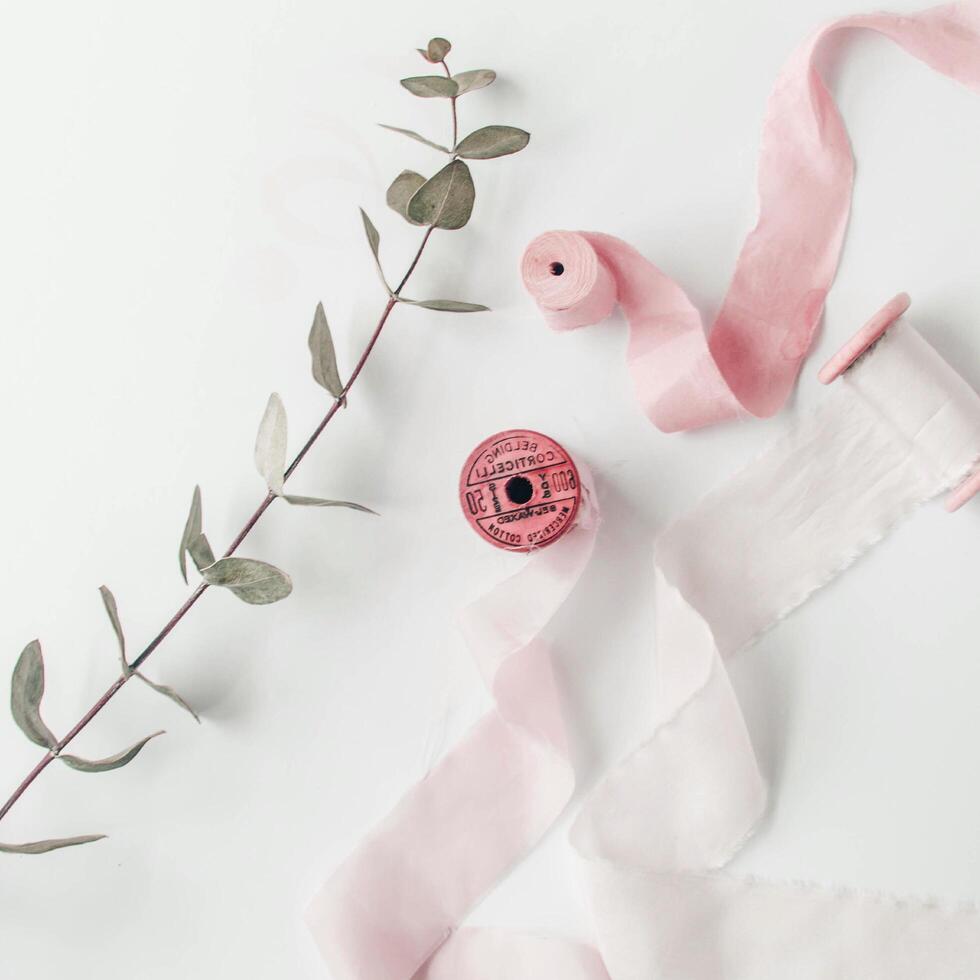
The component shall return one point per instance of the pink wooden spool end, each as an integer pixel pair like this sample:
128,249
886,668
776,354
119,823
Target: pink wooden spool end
873,330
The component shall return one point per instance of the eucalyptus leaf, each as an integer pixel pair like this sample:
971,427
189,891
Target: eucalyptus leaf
43,846
431,86
192,529
200,551
270,444
374,240
168,692
401,190
470,81
320,502
116,761
109,600
448,305
325,371
26,692
445,200
493,141
252,581
437,49
415,136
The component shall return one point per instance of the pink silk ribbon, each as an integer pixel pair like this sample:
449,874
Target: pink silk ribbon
767,321
399,897
655,834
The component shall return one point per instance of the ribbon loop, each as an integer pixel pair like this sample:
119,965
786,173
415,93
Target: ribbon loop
770,314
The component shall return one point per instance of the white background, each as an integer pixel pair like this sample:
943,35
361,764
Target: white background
178,188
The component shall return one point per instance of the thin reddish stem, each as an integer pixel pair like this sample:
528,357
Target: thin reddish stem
452,101
191,600
188,604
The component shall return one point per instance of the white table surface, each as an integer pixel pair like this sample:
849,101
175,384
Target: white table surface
179,186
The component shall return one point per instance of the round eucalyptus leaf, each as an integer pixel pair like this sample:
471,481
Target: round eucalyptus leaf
445,200
437,49
493,141
255,582
470,81
431,86
402,188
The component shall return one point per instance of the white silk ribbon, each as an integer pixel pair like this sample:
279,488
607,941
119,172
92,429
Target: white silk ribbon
655,835
899,428
406,888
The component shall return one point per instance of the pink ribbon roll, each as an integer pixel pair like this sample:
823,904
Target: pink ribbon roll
766,324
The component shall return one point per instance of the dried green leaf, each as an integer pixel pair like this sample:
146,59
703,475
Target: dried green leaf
493,141
448,305
470,81
437,49
43,846
168,692
320,502
116,761
401,190
270,444
252,581
415,136
445,200
374,240
431,86
192,529
325,371
200,551
109,600
26,692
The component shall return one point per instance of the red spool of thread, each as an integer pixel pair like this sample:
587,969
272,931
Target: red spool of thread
520,490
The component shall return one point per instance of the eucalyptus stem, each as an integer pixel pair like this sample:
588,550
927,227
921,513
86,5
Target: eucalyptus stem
452,103
191,600
444,200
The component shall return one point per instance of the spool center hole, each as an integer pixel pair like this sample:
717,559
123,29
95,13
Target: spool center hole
556,268
519,490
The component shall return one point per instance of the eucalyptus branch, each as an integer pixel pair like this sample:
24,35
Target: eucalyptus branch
443,201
